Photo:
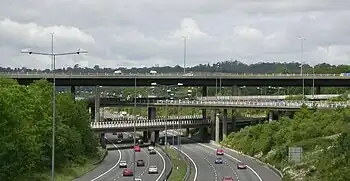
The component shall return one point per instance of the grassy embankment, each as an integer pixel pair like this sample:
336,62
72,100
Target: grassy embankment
324,136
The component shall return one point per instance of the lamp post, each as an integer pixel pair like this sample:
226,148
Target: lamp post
166,109
185,52
301,66
53,59
313,81
134,134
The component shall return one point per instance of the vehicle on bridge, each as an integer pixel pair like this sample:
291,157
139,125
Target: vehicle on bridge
219,160
241,166
137,148
128,172
227,179
123,164
140,163
153,170
219,152
119,141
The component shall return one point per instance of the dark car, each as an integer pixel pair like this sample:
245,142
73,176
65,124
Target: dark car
140,163
218,160
241,166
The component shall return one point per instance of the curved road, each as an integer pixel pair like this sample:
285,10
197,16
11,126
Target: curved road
109,169
204,156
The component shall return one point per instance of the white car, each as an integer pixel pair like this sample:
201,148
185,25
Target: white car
150,148
138,179
153,169
123,164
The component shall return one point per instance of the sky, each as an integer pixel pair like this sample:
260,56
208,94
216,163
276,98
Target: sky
138,33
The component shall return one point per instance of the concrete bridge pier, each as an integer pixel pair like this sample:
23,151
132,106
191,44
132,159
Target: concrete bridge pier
152,113
97,104
234,121
92,113
217,127
146,135
72,91
270,116
224,124
203,131
103,140
212,123
155,136
187,133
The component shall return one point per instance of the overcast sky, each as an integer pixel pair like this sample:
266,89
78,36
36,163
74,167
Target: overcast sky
135,33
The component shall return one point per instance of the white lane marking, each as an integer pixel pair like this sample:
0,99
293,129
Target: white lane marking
163,170
195,165
237,160
120,174
147,164
120,157
212,166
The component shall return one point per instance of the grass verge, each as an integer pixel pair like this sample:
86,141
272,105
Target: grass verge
179,166
70,172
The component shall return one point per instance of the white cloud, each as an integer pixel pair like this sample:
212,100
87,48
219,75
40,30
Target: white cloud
149,32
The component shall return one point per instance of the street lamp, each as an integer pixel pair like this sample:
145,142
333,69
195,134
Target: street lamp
166,108
134,134
185,52
301,66
53,59
313,81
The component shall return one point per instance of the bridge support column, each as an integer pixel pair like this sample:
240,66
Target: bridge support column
270,116
152,113
103,140
155,136
203,131
318,90
212,123
145,135
187,133
92,113
224,124
97,104
234,121
217,127
72,91
204,91
235,90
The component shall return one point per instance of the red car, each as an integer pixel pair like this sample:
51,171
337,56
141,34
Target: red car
227,179
219,152
137,148
241,166
128,172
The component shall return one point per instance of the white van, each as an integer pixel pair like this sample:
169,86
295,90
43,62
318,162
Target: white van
153,72
118,72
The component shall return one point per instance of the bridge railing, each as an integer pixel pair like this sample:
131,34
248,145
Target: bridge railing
194,74
143,123
124,119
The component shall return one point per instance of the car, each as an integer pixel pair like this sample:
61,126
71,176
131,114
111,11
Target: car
152,152
140,141
218,160
138,179
150,148
227,179
241,166
130,136
219,152
137,148
123,164
152,170
119,141
128,172
140,163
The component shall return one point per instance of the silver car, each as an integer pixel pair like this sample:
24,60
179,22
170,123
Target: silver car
123,164
153,169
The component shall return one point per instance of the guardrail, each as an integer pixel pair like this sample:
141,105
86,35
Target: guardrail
194,74
188,168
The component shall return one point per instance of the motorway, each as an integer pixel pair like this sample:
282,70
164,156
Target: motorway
204,156
109,169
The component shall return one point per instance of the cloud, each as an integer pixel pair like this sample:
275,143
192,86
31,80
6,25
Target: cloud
148,32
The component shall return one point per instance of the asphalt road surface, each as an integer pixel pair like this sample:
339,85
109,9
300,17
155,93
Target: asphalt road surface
109,169
204,156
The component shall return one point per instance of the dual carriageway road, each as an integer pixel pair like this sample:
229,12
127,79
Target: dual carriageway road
109,169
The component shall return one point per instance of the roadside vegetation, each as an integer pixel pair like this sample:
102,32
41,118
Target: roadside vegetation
25,133
324,136
179,165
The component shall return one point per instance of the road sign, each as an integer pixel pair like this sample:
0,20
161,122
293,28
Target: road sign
295,154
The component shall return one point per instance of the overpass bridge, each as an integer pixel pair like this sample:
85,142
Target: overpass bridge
197,79
253,104
266,97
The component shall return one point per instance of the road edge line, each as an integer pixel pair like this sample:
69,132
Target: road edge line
114,166
194,164
164,165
